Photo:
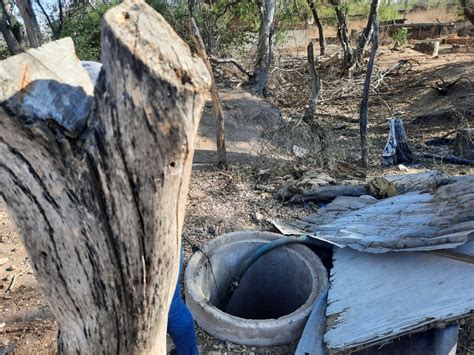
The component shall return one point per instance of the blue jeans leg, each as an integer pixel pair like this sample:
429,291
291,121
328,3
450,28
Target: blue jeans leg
181,323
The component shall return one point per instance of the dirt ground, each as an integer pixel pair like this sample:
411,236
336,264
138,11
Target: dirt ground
243,197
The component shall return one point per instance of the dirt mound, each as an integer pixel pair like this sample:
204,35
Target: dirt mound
247,117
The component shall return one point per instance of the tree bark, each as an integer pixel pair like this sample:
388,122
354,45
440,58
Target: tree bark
33,30
343,34
220,119
259,79
98,189
13,45
308,116
365,97
364,38
316,84
317,21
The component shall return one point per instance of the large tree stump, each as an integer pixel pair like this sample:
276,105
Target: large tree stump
97,184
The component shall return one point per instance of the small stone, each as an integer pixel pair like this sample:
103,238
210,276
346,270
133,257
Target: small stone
402,167
10,268
257,217
212,230
4,260
6,277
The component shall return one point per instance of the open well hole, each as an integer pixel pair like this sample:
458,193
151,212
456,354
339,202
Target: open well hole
276,285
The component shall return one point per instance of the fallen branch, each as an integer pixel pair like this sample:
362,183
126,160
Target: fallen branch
443,87
329,193
229,61
448,159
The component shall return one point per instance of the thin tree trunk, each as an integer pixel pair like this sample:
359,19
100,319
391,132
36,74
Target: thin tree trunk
201,50
317,21
308,117
13,45
33,30
365,97
343,34
364,38
98,189
259,78
316,84
12,21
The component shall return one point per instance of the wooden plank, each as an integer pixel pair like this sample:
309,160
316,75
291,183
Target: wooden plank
378,297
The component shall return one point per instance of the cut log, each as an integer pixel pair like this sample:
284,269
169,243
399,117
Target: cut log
396,150
428,47
98,191
417,182
464,144
329,193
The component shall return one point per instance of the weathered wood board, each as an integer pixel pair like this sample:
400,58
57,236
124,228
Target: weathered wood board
377,297
413,221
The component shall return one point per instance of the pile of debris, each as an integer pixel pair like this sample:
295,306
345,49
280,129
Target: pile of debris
403,265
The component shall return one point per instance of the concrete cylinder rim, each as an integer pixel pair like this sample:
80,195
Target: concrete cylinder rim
300,314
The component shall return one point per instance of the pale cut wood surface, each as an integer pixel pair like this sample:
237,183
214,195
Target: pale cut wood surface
376,297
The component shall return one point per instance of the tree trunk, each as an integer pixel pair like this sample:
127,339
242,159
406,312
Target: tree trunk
365,97
364,38
308,116
33,30
258,81
13,45
316,84
317,21
98,189
343,34
201,50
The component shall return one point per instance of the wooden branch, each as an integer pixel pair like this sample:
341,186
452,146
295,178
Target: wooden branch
201,50
447,159
231,61
98,191
330,192
365,98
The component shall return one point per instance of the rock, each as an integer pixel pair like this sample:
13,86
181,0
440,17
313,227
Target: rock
3,261
257,217
402,167
212,230
381,188
10,268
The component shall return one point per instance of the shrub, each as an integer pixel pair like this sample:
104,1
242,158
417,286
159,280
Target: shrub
401,36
